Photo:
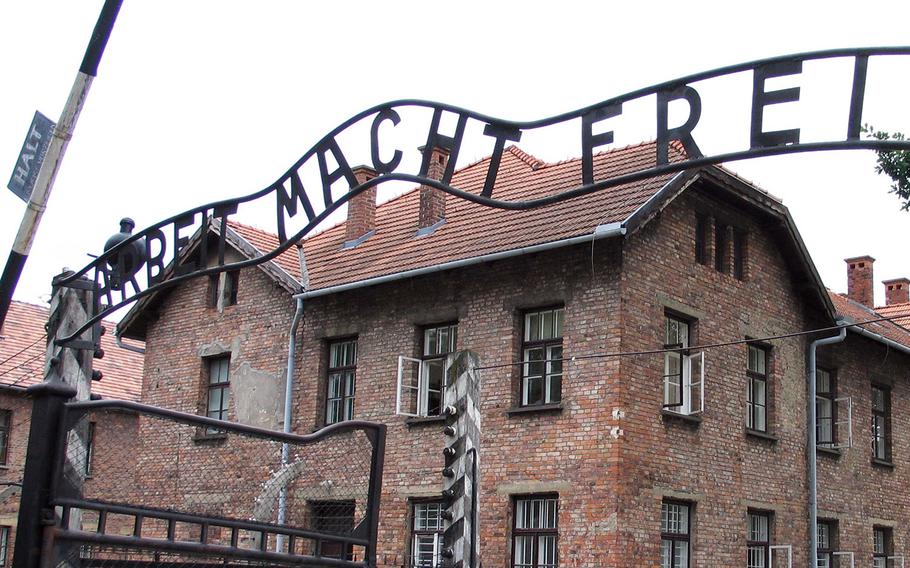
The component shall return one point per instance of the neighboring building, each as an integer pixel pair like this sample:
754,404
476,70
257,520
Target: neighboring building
23,345
686,457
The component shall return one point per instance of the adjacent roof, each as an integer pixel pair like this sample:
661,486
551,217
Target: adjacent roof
902,310
22,351
856,312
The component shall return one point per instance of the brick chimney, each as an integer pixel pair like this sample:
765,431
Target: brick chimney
362,207
859,280
433,201
897,291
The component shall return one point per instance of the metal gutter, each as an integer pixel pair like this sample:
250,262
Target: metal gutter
880,338
600,232
120,344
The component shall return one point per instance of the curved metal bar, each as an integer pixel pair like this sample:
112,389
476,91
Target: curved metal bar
327,143
76,409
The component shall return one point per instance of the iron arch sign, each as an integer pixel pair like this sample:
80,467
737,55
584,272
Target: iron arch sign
296,213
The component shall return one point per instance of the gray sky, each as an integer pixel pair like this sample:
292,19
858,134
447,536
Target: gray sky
203,100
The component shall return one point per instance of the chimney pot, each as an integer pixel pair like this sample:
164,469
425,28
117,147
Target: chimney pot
897,291
361,207
859,280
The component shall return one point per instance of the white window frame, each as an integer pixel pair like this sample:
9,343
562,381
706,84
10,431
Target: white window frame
773,547
421,391
845,553
896,558
841,422
688,385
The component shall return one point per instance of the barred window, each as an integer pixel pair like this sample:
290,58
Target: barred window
535,532
881,547
826,530
426,535
340,382
758,540
674,534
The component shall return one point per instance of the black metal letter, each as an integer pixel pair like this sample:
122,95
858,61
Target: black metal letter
378,164
501,133
589,140
762,98
180,242
437,140
682,133
158,259
289,203
854,122
342,171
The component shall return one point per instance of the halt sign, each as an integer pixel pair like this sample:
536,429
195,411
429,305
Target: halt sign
25,172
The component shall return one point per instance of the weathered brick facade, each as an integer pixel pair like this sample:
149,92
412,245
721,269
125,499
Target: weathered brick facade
609,451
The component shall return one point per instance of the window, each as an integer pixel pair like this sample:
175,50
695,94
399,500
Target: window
5,420
826,532
437,343
881,547
674,535
219,387
89,448
426,535
757,392
825,409
701,240
334,518
340,383
757,540
223,287
683,372
881,423
541,377
739,254
534,533
4,545
720,248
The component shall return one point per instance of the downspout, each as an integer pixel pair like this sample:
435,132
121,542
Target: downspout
288,404
122,345
813,442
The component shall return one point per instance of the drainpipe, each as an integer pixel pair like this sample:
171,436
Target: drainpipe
122,345
288,403
813,442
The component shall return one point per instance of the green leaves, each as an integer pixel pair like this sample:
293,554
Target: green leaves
894,163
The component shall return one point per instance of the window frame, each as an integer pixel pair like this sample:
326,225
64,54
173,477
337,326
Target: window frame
423,405
5,531
830,396
222,290
676,537
885,415
535,533
348,383
765,545
754,376
548,344
880,557
417,533
320,521
687,361
224,387
826,552
6,422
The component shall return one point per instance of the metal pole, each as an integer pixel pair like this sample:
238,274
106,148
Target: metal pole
62,134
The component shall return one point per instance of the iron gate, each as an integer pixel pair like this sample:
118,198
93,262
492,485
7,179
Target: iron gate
194,491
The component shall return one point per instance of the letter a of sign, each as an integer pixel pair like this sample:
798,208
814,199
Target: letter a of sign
25,172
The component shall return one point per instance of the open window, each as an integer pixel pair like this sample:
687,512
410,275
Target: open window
833,414
684,372
421,382
780,555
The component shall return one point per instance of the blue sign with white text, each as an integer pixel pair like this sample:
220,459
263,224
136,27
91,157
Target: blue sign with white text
25,172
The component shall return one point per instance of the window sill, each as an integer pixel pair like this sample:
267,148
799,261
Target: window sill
832,452
692,419
761,435
424,421
883,463
517,410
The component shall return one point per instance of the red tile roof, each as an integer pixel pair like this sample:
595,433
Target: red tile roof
472,230
23,346
902,310
265,242
854,311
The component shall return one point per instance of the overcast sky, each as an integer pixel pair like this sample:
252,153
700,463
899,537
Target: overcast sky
202,100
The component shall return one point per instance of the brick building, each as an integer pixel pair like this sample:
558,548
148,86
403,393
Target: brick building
22,364
610,437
